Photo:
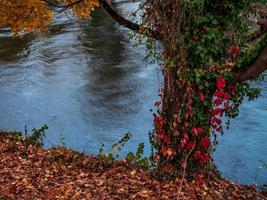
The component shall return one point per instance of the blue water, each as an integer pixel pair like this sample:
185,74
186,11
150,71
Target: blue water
91,86
242,148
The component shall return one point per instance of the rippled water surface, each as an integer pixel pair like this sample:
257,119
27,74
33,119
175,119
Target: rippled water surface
87,82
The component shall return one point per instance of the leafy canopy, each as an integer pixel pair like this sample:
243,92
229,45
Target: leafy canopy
35,15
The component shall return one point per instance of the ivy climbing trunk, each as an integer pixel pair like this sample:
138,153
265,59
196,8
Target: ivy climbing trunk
189,116
179,129
204,43
178,132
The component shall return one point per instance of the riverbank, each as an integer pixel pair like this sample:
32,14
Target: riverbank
60,173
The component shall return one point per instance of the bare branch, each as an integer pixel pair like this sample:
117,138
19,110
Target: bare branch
115,16
128,24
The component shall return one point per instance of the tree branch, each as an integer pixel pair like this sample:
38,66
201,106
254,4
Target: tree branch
259,63
255,68
115,16
128,24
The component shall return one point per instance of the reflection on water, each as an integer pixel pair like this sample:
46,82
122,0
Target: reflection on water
87,82
83,78
10,52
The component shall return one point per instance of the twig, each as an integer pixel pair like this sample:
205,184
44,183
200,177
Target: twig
185,161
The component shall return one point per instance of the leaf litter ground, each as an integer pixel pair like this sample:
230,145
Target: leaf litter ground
61,173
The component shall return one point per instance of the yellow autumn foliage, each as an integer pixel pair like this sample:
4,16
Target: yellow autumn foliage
35,15
84,8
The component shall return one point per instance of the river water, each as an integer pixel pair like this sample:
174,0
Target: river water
88,83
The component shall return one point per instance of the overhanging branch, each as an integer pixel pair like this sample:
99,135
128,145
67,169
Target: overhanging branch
258,64
128,24
115,16
257,67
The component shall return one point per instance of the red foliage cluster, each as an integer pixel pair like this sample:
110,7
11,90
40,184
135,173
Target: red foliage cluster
221,103
235,51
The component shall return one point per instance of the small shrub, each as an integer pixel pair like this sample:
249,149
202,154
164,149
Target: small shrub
137,157
115,149
36,138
